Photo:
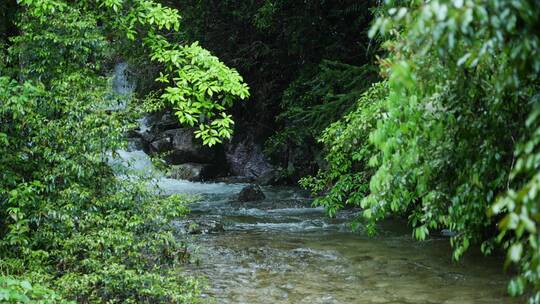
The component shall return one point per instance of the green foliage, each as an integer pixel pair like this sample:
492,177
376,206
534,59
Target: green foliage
50,45
520,207
318,29
126,251
310,104
345,179
449,139
66,220
203,88
462,80
461,83
67,223
21,291
304,62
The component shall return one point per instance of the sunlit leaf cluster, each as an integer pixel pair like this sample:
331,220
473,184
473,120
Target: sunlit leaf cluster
201,88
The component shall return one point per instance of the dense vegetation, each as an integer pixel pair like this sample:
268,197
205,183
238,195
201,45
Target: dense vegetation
449,138
67,223
428,110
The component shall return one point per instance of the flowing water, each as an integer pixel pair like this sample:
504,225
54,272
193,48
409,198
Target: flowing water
281,250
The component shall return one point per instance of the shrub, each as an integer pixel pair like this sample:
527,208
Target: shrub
460,128
66,219
17,291
345,179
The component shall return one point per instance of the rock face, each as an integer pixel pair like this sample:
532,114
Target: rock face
247,159
180,147
162,134
448,233
193,172
186,148
165,122
161,145
243,159
251,193
134,144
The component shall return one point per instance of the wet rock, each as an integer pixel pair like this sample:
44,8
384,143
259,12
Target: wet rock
147,137
166,121
132,133
200,227
193,171
185,148
162,134
451,276
251,193
448,233
135,144
363,258
161,145
246,158
179,146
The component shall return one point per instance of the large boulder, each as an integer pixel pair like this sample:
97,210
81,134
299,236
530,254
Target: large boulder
179,146
165,122
193,172
245,158
161,134
161,145
251,193
147,138
186,148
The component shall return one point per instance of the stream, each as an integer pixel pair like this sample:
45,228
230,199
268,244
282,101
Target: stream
281,250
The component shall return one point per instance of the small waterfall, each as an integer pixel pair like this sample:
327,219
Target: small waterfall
137,162
130,163
134,162
121,83
144,125
122,87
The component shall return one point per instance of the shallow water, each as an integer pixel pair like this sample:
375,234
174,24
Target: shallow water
282,251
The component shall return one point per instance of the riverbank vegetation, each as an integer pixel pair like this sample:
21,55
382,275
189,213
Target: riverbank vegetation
428,110
456,146
67,222
454,142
